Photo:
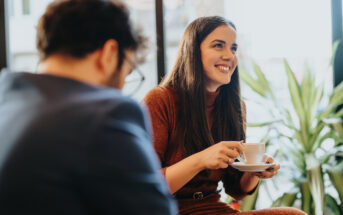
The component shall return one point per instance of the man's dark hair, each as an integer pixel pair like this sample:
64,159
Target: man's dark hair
77,28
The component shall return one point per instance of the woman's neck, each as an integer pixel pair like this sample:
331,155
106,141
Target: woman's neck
211,97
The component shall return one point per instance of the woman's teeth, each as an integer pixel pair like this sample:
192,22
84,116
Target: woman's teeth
225,68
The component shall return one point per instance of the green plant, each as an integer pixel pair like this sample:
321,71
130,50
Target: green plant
302,129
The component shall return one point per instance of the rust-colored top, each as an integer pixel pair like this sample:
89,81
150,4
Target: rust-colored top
163,104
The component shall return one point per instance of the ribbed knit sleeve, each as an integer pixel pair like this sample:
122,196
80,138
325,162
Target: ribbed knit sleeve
161,109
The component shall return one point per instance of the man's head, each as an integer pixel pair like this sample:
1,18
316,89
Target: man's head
79,28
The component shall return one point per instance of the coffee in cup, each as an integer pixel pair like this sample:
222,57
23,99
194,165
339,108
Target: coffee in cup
253,153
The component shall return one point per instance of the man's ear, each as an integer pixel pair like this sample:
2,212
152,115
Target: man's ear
108,58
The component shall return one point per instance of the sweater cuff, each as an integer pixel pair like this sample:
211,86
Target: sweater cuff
163,171
253,190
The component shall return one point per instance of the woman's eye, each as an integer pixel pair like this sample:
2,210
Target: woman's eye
234,48
218,45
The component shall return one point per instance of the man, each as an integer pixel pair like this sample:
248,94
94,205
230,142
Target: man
69,144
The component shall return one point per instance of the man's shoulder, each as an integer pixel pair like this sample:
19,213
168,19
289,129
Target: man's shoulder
106,101
99,107
60,105
107,107
104,97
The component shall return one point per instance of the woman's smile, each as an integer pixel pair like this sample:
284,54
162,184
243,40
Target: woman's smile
223,68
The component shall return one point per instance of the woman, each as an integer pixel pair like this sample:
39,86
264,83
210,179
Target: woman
199,120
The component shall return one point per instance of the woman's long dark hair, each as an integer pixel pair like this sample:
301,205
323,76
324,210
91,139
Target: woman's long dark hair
188,78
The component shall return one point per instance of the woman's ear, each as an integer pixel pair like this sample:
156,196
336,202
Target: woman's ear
108,58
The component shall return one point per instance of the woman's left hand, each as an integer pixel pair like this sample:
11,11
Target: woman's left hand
271,171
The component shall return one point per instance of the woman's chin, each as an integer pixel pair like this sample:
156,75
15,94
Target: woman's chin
227,81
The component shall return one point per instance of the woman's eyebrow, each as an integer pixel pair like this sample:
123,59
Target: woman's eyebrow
219,41
223,42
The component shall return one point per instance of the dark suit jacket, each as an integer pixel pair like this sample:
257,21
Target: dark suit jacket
71,148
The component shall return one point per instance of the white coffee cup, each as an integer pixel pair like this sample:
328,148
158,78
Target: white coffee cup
253,153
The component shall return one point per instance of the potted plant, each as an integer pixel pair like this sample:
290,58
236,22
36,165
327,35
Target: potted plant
301,129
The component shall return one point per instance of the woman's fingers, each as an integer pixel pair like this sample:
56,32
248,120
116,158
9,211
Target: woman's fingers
269,173
224,163
232,153
267,159
270,160
230,160
234,146
264,175
227,159
276,167
221,155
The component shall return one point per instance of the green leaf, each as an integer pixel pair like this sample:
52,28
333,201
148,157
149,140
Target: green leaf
332,205
316,97
336,99
286,200
316,134
336,177
334,50
318,142
262,79
339,114
262,124
325,159
288,117
337,125
296,96
297,156
339,129
315,179
327,112
307,91
298,136
336,96
249,202
306,198
252,83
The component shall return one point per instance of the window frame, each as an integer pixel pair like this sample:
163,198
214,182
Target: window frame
4,45
337,35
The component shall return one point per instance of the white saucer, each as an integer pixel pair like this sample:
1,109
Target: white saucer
243,167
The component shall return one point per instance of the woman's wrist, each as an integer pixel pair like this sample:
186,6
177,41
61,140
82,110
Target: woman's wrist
253,176
249,181
198,162
183,171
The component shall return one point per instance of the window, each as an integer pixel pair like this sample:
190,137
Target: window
26,7
22,34
142,14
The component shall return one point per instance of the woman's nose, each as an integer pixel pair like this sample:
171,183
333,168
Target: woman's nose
228,55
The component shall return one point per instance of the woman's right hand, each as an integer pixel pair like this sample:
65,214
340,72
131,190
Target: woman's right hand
220,155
